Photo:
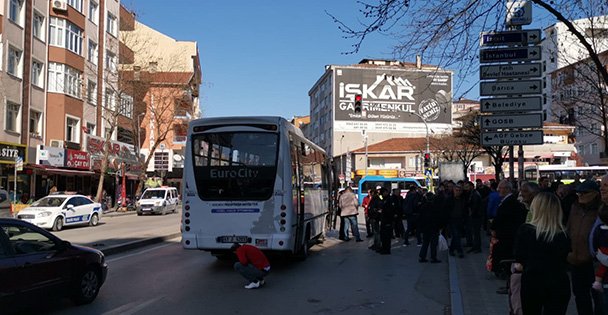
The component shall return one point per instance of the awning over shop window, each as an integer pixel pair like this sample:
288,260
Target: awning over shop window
61,171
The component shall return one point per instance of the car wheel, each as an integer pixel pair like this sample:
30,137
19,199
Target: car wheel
87,287
58,224
139,213
94,220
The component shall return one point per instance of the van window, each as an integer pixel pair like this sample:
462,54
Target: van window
154,194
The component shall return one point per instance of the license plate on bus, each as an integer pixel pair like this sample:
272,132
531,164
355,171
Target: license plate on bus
233,239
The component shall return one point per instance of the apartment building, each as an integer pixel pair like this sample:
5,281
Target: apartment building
164,75
58,74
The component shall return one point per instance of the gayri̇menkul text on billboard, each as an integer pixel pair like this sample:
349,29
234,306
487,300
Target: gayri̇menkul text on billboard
390,96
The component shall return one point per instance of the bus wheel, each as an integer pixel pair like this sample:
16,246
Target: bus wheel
303,252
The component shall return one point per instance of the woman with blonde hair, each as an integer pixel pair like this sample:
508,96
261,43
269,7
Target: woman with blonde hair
541,248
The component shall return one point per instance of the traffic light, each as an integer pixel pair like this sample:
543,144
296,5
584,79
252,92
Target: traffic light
358,105
427,160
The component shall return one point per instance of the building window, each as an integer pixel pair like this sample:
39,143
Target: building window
594,149
110,101
37,71
38,26
111,24
35,123
15,11
72,130
64,79
94,12
92,55
126,106
14,61
90,128
12,117
110,61
63,33
92,92
76,4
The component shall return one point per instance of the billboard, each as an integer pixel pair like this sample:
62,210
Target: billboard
393,99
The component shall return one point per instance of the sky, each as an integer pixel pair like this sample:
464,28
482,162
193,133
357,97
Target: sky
260,57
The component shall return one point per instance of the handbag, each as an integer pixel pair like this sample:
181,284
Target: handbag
442,244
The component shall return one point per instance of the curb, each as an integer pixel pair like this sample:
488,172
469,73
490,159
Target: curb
118,213
455,293
117,249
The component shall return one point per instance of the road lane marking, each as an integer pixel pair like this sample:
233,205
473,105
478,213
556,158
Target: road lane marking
140,252
131,308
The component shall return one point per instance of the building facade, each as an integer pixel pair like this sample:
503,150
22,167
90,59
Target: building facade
399,99
165,75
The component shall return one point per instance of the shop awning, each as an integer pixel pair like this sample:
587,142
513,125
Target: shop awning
61,171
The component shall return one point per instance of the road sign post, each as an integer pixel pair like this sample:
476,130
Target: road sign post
515,71
522,37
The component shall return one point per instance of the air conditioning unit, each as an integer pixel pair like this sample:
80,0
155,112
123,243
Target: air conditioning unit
60,5
56,143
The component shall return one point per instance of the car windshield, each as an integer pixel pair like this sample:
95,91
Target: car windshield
49,202
153,194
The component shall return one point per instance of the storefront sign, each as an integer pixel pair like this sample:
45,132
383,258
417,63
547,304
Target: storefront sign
78,159
10,151
120,150
50,156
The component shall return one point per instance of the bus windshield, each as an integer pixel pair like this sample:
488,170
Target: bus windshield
235,165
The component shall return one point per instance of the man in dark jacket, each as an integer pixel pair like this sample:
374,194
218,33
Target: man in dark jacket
476,217
411,212
582,217
509,216
387,218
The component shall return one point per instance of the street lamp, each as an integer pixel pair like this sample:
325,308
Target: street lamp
341,157
426,126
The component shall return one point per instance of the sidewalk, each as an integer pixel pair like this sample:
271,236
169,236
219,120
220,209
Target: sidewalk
478,286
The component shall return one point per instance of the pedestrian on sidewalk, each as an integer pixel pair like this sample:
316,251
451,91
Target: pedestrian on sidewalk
510,215
580,223
475,217
541,248
457,213
527,192
387,219
599,244
365,204
410,206
397,202
375,212
348,211
252,265
429,224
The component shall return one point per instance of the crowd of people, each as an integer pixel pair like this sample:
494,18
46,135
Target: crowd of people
549,240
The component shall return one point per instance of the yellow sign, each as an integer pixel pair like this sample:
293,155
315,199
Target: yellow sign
369,172
388,173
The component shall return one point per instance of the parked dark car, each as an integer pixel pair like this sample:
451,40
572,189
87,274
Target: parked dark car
35,263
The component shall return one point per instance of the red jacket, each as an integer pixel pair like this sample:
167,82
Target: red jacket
248,254
365,203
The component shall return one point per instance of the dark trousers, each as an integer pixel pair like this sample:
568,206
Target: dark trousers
587,300
399,228
468,231
386,234
547,294
341,234
456,233
412,228
429,237
368,226
476,231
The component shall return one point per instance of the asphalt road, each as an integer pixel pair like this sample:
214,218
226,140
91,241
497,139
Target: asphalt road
337,278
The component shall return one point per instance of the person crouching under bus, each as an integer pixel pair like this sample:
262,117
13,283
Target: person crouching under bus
252,265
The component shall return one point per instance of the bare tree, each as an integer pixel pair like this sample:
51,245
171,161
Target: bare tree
457,148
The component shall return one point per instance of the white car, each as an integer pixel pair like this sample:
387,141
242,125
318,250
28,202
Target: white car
55,211
158,200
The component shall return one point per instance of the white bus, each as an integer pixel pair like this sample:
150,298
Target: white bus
253,180
565,173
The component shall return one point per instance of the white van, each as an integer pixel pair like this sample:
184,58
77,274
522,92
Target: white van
158,201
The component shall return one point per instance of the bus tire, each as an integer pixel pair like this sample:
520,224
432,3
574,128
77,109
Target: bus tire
303,251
